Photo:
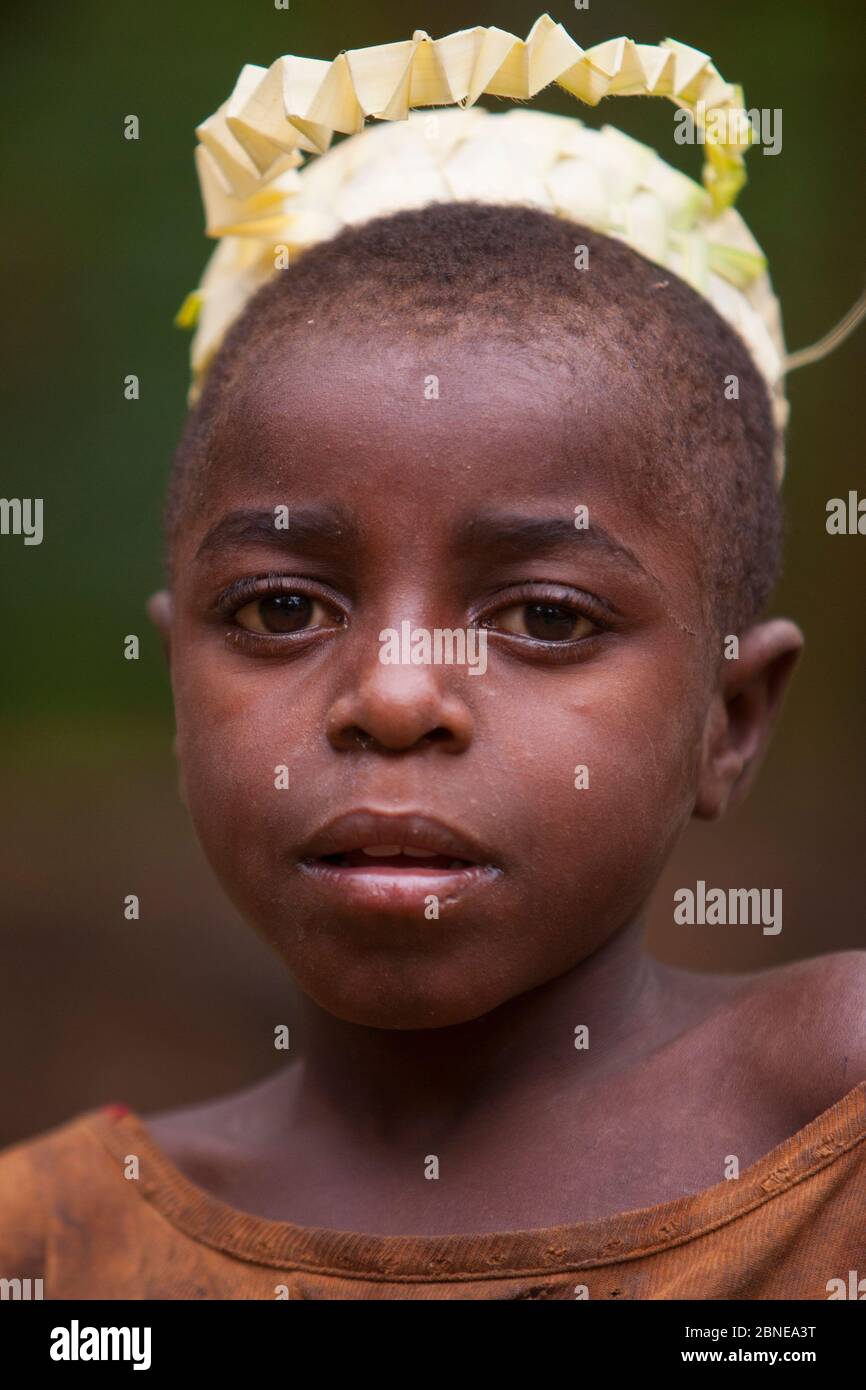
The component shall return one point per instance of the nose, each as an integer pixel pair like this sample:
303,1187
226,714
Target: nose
395,708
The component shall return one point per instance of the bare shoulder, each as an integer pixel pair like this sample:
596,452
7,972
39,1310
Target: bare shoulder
218,1129
807,1022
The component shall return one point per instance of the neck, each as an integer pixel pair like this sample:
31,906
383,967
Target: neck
394,1081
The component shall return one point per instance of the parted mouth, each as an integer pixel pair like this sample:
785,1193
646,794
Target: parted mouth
366,839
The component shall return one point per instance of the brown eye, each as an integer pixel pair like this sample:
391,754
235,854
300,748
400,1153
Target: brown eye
546,622
280,613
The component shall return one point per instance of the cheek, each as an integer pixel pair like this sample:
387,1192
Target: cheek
232,747
611,767
606,779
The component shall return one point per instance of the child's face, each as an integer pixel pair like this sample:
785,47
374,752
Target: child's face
443,511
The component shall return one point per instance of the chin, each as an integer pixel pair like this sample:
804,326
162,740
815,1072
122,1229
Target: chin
404,998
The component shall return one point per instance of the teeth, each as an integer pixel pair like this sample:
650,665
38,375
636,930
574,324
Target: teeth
389,851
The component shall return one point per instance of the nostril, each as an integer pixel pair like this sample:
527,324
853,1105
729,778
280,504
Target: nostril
356,737
439,735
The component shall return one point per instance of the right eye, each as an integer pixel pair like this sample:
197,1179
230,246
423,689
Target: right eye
284,613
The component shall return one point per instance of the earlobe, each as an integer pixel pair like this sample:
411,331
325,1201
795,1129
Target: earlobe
744,709
159,610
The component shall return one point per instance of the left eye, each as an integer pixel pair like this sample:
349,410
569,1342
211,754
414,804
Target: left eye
546,622
278,613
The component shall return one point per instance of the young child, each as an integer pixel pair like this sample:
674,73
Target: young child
464,517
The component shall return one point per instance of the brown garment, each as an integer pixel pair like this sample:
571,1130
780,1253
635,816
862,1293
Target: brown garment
790,1223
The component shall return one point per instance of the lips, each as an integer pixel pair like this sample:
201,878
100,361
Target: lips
361,839
391,863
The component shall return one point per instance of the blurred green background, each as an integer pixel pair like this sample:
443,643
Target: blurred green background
101,239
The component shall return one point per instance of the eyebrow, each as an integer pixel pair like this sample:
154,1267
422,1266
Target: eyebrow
318,528
518,536
329,527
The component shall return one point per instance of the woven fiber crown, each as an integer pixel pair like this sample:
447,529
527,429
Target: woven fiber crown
273,185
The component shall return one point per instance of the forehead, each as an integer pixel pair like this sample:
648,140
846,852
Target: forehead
424,415
408,440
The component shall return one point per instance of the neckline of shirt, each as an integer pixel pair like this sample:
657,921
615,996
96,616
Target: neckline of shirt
487,1255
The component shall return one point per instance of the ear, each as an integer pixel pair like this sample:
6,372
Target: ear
744,709
159,610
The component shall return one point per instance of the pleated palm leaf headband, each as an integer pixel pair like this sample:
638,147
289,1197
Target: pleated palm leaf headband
267,202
